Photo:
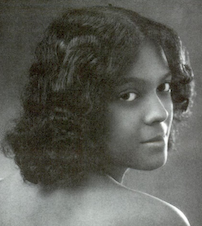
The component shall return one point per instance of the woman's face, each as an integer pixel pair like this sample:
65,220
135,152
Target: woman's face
140,113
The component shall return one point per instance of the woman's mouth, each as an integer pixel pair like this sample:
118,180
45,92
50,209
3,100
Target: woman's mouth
156,139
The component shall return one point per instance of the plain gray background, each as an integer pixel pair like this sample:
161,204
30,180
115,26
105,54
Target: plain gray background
21,26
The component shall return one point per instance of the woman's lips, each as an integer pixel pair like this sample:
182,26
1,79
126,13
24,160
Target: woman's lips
156,139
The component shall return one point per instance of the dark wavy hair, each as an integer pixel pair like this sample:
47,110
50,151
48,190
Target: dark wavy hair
56,140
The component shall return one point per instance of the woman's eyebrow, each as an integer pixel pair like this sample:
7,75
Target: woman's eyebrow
167,76
140,81
133,80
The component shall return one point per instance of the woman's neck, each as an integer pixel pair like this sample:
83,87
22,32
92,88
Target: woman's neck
116,173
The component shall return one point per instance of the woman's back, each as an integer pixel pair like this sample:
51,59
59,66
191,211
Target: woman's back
99,202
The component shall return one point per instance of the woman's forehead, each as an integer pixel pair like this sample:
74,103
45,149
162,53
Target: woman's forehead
150,60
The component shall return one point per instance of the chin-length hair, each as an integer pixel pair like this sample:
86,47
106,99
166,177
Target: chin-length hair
58,138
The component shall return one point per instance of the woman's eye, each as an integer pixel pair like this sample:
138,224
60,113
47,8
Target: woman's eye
128,96
165,87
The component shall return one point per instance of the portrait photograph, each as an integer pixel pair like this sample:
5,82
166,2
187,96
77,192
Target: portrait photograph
100,113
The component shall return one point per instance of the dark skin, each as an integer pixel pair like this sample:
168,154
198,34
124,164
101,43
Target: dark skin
140,115
102,200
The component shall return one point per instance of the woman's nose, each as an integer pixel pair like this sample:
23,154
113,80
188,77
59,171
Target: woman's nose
155,110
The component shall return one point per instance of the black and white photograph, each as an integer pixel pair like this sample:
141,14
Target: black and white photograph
100,113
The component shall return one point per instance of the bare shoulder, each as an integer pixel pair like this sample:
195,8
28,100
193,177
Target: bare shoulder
140,209
122,206
112,205
159,212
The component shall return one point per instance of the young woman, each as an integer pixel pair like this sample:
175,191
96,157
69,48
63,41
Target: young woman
104,94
